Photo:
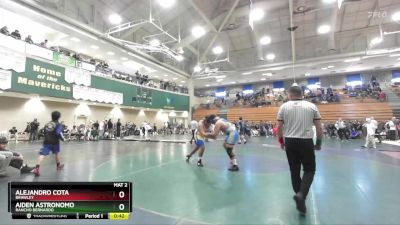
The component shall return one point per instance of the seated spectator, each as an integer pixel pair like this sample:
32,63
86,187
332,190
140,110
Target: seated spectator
382,96
77,57
5,31
93,61
13,133
43,44
16,35
12,159
29,39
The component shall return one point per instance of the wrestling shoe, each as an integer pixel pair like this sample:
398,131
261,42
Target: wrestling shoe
187,158
199,163
27,169
234,168
60,167
300,203
36,172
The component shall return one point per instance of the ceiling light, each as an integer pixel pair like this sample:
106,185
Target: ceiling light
165,79
323,29
396,17
307,74
110,53
267,74
263,78
94,46
156,76
271,56
394,55
352,60
179,58
217,50
247,73
174,78
330,67
75,39
198,31
207,85
324,68
329,1
265,40
256,14
233,82
155,43
376,40
197,69
220,80
398,59
124,58
166,3
165,75
115,19
182,81
180,85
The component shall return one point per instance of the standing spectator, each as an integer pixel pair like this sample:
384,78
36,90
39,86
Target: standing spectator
110,129
101,129
34,126
370,138
295,131
15,34
4,30
390,125
13,132
119,124
193,127
29,39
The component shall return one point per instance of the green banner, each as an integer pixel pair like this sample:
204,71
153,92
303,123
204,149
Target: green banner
63,59
143,97
43,79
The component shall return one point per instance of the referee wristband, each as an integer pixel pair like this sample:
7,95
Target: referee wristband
319,142
281,141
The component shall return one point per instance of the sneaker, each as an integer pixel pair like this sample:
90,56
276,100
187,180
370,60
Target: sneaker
245,142
300,203
36,172
187,158
234,168
199,163
60,167
27,169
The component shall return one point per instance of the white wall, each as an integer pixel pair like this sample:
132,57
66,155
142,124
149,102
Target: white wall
13,112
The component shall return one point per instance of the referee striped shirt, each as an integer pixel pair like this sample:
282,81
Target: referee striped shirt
298,117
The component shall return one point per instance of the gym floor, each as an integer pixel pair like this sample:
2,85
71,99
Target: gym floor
351,186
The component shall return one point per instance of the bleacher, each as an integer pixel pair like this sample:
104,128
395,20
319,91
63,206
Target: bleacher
351,111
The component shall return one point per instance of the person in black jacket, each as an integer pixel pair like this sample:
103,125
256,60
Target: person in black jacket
110,129
34,128
119,124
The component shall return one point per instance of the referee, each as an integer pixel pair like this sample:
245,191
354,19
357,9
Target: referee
295,131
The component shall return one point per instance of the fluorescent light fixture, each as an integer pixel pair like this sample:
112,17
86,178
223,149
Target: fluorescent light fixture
307,74
166,3
115,19
165,79
207,85
352,60
155,43
267,74
217,50
247,73
182,81
376,40
174,78
220,94
233,82
94,46
263,78
198,31
179,58
256,14
394,55
110,53
75,39
180,85
220,80
270,56
324,68
265,40
124,58
165,75
323,29
396,16
330,67
197,69
156,76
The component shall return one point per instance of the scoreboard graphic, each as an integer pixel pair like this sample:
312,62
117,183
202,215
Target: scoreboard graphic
70,200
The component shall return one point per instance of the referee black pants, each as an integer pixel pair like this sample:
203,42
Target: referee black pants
300,152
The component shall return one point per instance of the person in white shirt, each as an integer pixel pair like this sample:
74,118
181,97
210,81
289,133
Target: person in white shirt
147,127
341,127
193,127
392,129
371,128
101,129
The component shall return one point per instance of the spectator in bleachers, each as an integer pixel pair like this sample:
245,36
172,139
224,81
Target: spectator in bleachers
29,39
15,34
382,96
4,30
43,44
